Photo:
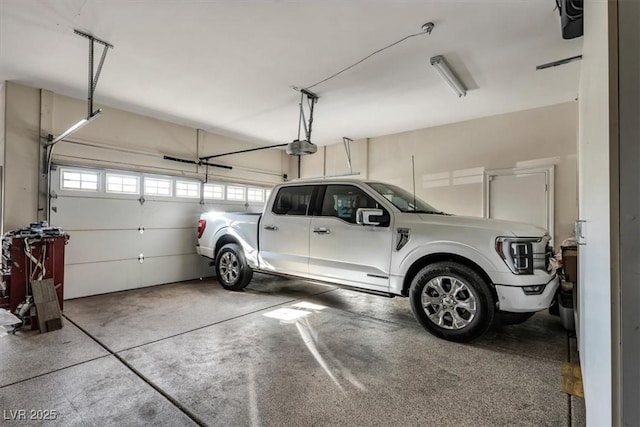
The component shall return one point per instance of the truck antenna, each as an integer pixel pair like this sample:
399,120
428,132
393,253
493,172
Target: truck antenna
413,176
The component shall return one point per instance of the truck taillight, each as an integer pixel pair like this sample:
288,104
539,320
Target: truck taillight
202,224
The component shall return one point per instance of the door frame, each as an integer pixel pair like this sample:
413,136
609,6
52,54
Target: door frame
548,171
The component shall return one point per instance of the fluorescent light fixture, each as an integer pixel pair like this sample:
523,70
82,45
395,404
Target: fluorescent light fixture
447,75
75,127
559,62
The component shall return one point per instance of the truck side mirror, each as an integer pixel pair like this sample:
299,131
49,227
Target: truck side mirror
368,216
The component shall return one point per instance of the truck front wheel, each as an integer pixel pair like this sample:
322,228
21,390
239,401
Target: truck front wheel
233,272
452,301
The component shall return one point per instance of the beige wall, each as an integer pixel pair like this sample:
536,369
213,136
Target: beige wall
21,154
3,92
137,142
450,160
331,160
117,139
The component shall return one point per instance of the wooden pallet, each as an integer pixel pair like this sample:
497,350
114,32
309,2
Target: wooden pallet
572,379
47,307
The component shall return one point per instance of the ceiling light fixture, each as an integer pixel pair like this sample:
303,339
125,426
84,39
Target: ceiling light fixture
448,76
559,62
82,123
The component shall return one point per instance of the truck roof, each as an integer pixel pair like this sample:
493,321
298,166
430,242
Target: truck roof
322,180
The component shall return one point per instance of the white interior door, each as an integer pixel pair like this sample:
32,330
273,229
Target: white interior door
523,195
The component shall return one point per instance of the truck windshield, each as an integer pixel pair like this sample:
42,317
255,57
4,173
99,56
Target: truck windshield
402,199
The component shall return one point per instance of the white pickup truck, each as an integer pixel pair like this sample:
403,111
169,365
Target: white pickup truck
457,271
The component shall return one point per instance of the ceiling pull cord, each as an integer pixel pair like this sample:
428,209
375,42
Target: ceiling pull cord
426,29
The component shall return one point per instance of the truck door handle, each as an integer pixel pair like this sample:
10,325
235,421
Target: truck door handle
321,230
270,227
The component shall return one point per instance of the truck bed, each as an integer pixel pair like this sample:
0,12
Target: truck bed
242,225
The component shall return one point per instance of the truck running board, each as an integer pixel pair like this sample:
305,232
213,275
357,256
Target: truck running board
366,291
321,282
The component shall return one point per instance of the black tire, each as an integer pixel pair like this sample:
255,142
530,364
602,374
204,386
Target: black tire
510,318
471,302
233,272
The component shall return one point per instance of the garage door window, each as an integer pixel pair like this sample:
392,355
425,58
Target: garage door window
187,189
235,193
255,195
157,187
79,180
213,191
123,184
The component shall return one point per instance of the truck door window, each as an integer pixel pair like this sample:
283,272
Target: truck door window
342,201
293,200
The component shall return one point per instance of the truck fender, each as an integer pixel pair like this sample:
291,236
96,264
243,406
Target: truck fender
229,233
446,247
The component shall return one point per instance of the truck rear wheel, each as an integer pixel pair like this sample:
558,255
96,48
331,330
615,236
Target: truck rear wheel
233,272
452,301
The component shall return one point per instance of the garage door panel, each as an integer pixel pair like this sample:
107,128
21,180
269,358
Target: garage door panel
159,214
169,241
108,232
97,278
169,269
102,245
76,213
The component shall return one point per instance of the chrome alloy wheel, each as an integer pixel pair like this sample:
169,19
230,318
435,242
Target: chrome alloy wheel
449,302
229,267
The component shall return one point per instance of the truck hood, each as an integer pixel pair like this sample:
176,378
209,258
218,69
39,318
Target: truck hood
500,227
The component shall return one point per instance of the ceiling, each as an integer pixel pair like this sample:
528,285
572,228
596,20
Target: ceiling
228,66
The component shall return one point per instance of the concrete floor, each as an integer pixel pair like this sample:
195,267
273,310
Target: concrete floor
283,352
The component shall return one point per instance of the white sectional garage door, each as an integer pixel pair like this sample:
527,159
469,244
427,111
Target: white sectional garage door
128,230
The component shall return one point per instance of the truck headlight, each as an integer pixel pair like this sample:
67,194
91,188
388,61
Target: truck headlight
517,253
